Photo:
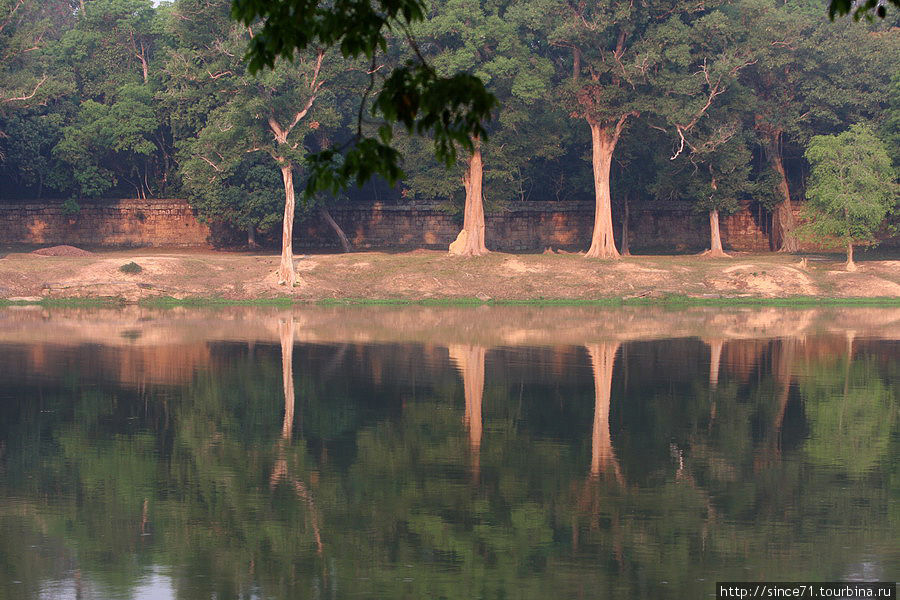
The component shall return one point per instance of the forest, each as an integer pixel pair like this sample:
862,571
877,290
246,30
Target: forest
713,103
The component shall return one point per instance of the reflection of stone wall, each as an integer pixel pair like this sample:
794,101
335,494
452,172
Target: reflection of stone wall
129,365
129,222
661,226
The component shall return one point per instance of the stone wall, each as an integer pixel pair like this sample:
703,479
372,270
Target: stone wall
662,227
127,222
529,226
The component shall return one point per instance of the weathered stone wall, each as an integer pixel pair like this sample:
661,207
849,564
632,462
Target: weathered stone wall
127,222
661,227
529,226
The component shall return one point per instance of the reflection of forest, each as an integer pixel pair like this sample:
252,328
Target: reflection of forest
343,468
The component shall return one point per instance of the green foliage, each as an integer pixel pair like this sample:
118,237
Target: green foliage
853,413
502,44
131,268
451,109
852,186
71,207
238,130
890,129
859,9
108,143
122,97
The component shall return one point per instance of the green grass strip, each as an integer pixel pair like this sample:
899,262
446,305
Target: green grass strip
671,300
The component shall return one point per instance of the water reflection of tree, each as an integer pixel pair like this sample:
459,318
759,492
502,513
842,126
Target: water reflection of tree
469,360
281,472
401,497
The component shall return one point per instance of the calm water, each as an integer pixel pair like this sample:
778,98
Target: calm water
445,453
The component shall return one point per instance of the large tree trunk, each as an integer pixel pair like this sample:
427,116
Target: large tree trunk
345,243
603,456
851,266
603,143
286,274
470,241
470,362
784,239
715,236
251,236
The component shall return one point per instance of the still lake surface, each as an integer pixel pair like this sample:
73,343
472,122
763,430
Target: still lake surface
485,452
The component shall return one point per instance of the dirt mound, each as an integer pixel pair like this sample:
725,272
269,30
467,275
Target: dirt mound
62,251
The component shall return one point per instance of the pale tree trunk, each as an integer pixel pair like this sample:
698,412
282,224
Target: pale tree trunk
345,243
603,456
715,236
286,274
784,238
145,68
851,266
470,362
251,236
470,241
603,143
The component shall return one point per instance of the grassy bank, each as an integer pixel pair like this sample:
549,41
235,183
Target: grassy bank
675,301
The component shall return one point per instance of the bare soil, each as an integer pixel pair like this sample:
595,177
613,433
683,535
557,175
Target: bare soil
427,274
62,251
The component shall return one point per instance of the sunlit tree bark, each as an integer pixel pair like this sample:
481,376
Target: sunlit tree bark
470,241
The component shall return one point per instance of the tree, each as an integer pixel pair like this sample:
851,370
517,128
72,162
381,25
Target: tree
26,28
498,42
669,59
27,81
248,196
272,113
452,109
859,9
891,125
851,189
806,81
115,139
108,143
699,96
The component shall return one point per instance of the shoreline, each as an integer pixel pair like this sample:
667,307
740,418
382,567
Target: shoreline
428,277
674,301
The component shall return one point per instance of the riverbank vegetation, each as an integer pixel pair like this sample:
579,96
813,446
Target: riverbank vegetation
713,104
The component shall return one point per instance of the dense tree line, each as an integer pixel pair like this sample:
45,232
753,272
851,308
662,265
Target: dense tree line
619,103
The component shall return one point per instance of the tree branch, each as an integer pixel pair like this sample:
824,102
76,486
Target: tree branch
11,13
31,95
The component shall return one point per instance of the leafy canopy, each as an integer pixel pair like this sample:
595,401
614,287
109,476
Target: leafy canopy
859,8
451,109
851,187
